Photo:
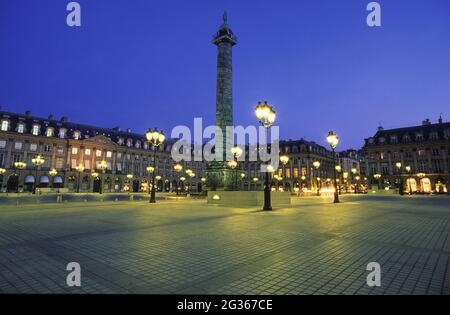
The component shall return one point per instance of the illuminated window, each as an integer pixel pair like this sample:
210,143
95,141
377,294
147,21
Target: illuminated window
33,147
62,133
20,128
76,135
98,153
288,173
35,130
18,145
49,132
87,152
5,125
295,172
108,154
74,151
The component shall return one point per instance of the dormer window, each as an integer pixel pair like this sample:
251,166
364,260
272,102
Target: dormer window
145,145
5,125
382,140
50,131
76,135
35,130
129,143
394,139
138,144
370,140
120,141
20,128
62,133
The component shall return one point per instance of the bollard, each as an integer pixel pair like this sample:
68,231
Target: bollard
131,197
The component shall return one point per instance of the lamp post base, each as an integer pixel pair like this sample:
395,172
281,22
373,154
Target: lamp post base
336,199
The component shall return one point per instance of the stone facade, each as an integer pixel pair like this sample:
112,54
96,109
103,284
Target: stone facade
424,149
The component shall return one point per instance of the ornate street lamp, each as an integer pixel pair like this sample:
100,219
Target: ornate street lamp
80,169
129,178
338,169
400,185
178,168
284,159
408,169
333,141
102,166
377,176
150,170
266,117
2,171
236,151
182,179
155,138
37,161
316,165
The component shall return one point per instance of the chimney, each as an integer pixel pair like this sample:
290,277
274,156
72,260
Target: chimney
439,120
380,128
117,129
64,119
426,122
128,130
27,113
50,117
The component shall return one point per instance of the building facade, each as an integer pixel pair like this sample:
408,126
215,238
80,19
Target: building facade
66,146
417,158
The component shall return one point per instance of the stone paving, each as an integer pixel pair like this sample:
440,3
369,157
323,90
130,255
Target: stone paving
187,246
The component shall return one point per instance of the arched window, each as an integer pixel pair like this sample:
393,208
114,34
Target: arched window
35,130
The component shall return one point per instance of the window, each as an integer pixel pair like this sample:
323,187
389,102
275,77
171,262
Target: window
35,130
2,144
295,172
120,141
87,164
87,152
435,152
59,150
98,153
434,135
33,147
138,144
421,152
406,138
129,143
18,146
419,137
20,128
74,151
59,163
108,154
76,135
447,134
62,133
394,139
382,140
47,148
73,163
119,155
49,132
5,125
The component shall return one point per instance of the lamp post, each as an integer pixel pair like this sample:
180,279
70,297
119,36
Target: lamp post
236,151
333,141
182,179
400,184
53,172
80,169
155,138
37,161
353,171
150,170
316,165
233,164
377,176
284,159
408,169
130,177
266,117
102,167
338,169
178,168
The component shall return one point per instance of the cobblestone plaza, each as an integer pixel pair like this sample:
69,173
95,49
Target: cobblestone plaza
187,246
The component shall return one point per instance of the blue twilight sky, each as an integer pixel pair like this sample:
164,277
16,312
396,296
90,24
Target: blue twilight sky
145,63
